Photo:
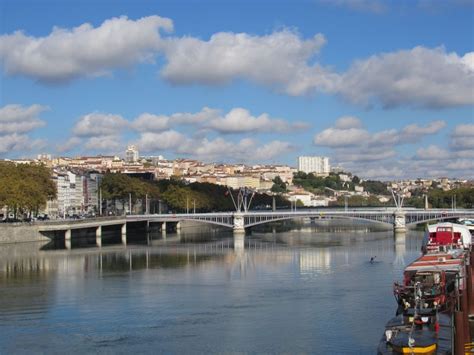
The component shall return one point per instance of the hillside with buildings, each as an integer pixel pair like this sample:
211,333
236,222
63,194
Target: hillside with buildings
314,183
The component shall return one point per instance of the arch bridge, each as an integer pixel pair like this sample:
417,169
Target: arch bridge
398,218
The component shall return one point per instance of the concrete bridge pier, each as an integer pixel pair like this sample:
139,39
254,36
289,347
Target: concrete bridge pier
239,223
123,231
399,222
98,236
178,227
67,239
239,242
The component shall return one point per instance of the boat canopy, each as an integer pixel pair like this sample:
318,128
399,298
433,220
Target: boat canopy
450,228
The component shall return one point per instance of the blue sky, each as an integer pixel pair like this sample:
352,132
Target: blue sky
384,88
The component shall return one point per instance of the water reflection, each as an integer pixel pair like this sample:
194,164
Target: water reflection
309,251
271,291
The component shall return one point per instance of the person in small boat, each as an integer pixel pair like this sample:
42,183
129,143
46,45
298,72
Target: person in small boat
372,259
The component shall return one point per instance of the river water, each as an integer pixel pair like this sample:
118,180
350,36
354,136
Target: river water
303,289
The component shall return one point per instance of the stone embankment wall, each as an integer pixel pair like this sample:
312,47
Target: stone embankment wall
19,233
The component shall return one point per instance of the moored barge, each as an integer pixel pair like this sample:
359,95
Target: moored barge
434,297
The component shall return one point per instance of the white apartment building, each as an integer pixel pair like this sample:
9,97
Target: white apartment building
313,164
131,154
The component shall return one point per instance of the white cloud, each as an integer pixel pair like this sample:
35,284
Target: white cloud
84,50
99,124
239,120
415,130
198,118
419,77
464,130
346,155
151,142
272,150
282,60
148,122
334,137
349,131
346,122
382,172
228,56
20,119
462,137
19,143
104,144
245,150
71,144
432,152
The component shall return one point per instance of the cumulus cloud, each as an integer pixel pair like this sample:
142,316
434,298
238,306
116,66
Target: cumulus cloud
432,152
349,131
417,77
99,124
16,121
170,139
346,122
104,144
217,149
247,150
19,142
66,54
19,119
462,137
239,120
414,130
148,122
198,118
272,150
69,145
334,137
228,56
420,77
364,155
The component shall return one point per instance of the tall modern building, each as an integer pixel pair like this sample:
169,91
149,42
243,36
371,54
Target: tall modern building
131,154
315,165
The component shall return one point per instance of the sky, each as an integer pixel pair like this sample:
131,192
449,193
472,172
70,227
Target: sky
385,89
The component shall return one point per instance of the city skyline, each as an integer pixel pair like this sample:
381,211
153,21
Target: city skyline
385,89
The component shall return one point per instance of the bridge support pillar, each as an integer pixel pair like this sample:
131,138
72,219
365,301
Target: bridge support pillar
123,231
399,222
239,225
178,227
239,243
98,236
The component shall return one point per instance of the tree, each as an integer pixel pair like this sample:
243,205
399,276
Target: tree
278,185
25,188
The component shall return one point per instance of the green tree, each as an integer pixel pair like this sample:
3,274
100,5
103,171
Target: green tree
278,185
25,188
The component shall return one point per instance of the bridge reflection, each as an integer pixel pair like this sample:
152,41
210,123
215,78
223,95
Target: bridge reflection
236,253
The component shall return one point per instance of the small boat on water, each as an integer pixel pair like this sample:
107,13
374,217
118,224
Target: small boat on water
429,294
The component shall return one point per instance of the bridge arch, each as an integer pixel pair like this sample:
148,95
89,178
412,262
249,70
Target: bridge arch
206,221
324,217
433,219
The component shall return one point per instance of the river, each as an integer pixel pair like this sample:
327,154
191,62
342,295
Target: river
303,288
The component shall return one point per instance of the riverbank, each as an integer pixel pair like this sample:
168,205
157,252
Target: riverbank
20,233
